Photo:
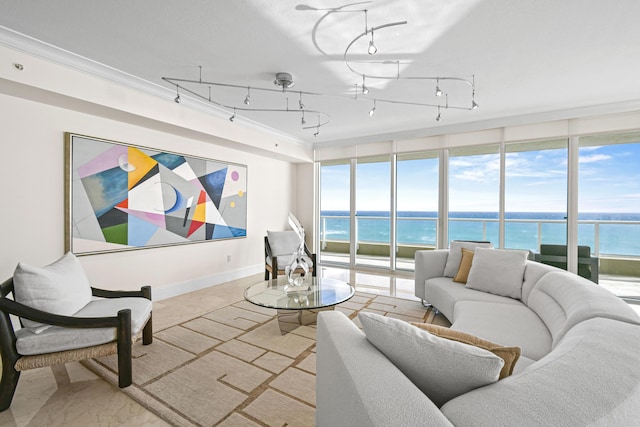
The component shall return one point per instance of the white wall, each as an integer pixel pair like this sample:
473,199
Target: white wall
32,210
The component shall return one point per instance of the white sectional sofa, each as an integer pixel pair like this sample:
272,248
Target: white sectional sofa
579,363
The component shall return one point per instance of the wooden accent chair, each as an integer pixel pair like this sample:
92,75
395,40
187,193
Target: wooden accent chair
108,323
278,248
556,255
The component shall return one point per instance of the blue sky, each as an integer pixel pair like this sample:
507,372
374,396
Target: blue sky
536,181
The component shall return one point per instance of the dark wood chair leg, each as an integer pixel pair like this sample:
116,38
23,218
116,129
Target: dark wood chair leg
8,384
147,332
125,376
266,274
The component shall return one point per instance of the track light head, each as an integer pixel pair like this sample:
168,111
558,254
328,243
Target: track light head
247,100
373,110
438,91
474,104
438,117
232,118
372,47
177,99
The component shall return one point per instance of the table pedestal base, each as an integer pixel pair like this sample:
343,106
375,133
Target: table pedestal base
288,320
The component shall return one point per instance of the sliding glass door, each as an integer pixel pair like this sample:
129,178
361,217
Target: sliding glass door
535,194
373,211
335,208
609,208
417,205
474,193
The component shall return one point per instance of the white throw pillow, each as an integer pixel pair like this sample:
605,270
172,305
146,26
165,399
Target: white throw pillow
442,369
59,288
283,242
455,255
499,272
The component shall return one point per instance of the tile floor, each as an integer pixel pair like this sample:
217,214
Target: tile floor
70,395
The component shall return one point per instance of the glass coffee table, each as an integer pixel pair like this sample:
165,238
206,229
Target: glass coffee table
299,305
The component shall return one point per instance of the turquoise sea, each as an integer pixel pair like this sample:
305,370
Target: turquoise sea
617,233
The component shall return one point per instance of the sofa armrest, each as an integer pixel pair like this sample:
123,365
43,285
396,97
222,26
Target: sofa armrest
428,264
358,385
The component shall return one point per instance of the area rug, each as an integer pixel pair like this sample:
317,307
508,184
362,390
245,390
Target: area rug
233,367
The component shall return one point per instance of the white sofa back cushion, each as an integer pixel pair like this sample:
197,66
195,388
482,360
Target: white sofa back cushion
562,300
591,378
499,272
455,255
441,368
59,288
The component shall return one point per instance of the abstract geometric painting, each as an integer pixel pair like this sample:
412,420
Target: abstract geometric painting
127,197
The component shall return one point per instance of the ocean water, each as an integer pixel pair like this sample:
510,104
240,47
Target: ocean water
521,229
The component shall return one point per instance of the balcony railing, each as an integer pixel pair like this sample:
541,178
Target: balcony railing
605,237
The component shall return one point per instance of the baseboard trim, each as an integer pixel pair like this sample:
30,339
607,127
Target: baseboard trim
180,288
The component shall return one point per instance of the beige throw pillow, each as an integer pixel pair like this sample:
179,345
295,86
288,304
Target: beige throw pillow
465,266
510,355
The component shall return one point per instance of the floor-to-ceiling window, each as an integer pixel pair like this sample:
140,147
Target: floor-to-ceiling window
417,205
373,211
335,208
609,206
474,193
535,210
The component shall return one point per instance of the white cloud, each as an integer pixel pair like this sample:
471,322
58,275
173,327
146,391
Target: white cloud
594,158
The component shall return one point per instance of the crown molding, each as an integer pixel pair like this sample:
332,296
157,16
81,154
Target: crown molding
38,48
524,119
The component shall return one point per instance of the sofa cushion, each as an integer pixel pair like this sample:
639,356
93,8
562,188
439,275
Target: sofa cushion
59,288
498,271
58,338
591,378
443,293
465,265
513,325
510,355
533,271
441,368
455,255
356,385
562,300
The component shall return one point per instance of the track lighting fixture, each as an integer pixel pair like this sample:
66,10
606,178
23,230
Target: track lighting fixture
372,47
177,98
385,70
365,89
438,90
247,99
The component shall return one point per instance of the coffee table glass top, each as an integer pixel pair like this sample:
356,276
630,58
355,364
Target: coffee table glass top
316,292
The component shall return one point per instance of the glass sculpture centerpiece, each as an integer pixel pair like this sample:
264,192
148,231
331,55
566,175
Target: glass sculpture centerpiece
297,268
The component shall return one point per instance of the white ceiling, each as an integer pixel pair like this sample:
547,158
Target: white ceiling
528,57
